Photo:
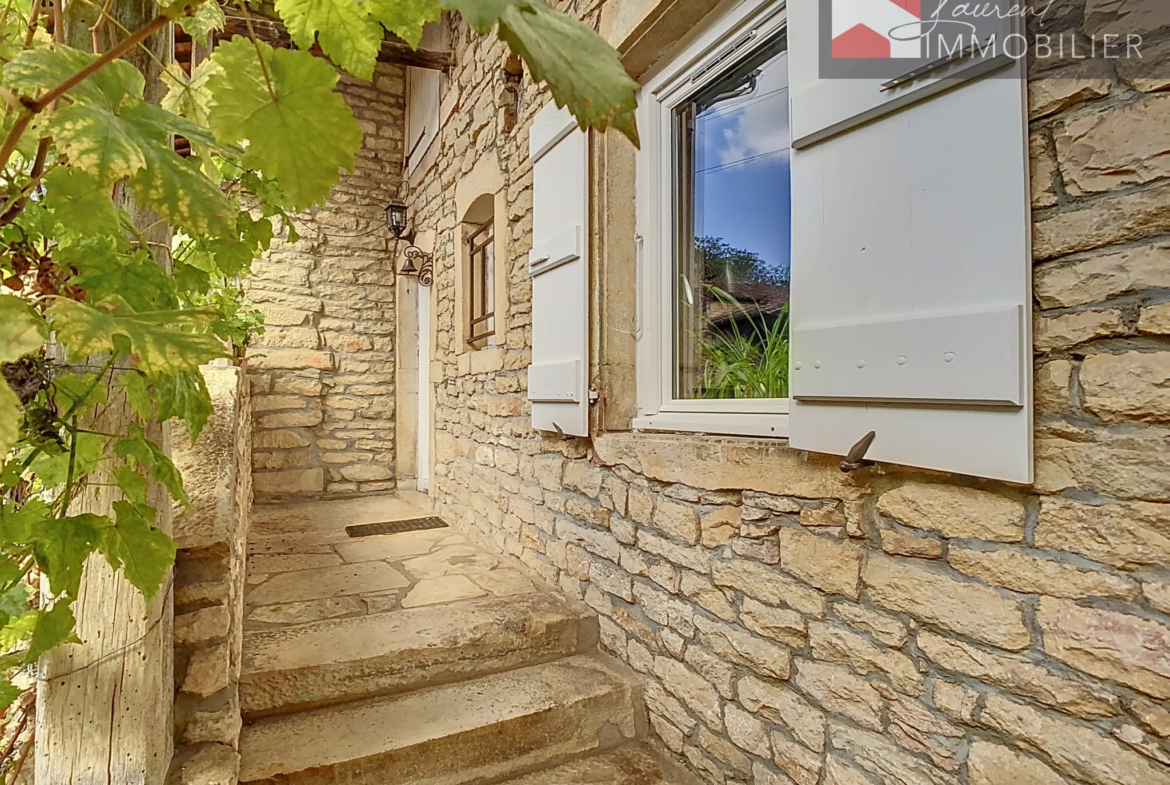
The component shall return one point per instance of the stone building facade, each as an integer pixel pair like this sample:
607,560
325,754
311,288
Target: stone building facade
793,623
323,372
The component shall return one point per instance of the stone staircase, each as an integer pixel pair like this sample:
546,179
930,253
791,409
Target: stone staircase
481,691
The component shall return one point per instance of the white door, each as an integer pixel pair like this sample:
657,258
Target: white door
423,459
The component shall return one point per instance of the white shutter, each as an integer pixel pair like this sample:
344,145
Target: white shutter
911,267
558,379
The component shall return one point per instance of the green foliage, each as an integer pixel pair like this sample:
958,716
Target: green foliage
269,134
745,364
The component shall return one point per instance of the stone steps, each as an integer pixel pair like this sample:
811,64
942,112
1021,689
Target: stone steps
343,660
482,730
631,764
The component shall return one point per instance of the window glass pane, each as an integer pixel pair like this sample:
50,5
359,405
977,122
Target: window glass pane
733,226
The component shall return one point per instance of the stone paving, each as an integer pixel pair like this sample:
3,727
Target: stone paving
303,567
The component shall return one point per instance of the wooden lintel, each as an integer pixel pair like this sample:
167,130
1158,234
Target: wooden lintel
395,52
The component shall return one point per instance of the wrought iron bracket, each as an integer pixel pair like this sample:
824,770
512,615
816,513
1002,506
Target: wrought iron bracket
420,263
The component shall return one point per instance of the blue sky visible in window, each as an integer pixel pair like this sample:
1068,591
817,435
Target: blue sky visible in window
742,184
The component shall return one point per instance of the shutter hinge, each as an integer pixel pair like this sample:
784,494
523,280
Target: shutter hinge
593,396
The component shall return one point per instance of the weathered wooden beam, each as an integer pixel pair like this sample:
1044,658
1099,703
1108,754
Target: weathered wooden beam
395,52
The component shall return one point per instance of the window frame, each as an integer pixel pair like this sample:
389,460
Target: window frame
481,284
735,35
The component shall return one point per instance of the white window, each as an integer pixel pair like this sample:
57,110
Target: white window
714,217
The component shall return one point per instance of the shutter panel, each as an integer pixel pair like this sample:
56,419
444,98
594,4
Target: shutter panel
911,267
558,379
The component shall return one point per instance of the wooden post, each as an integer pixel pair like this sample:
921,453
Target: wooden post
104,706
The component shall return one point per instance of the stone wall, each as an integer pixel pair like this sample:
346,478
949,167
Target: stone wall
209,584
323,372
795,624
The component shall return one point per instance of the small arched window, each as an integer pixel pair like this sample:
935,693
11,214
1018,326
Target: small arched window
479,241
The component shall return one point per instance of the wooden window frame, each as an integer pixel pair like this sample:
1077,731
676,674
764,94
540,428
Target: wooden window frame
481,284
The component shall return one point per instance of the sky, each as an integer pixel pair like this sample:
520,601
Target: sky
743,184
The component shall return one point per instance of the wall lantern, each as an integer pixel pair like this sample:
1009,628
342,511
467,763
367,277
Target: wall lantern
418,262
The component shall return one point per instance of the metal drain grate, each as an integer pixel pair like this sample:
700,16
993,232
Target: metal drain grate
396,527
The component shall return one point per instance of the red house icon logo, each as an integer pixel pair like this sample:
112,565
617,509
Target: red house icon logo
877,29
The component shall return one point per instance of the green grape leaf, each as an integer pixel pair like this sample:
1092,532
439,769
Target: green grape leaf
79,394
61,546
555,46
142,552
138,448
18,524
481,15
104,272
81,203
188,96
9,693
53,470
43,68
18,629
184,395
176,189
22,331
208,18
301,138
405,18
157,124
138,394
343,28
98,142
132,484
54,627
157,347
9,418
16,600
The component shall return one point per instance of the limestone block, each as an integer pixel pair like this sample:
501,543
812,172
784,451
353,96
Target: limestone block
956,700
289,384
1107,644
291,360
719,527
1121,535
828,515
692,689
838,772
783,705
706,595
611,579
280,316
881,626
289,483
291,419
839,691
1155,320
676,520
1019,676
1131,463
783,626
723,751
1053,387
966,608
548,470
955,511
211,764
220,726
1049,96
279,440
366,473
900,543
1122,17
1043,172
765,549
1154,717
767,585
732,643
992,764
691,557
1129,386
435,591
1076,750
1157,593
205,624
1071,329
285,459
1124,146
208,671
668,611
803,766
1031,574
582,476
291,337
835,644
831,565
711,667
1098,277
588,511
880,757
1100,223
1147,74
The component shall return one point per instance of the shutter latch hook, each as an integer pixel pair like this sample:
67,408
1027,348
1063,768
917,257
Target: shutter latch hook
856,457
